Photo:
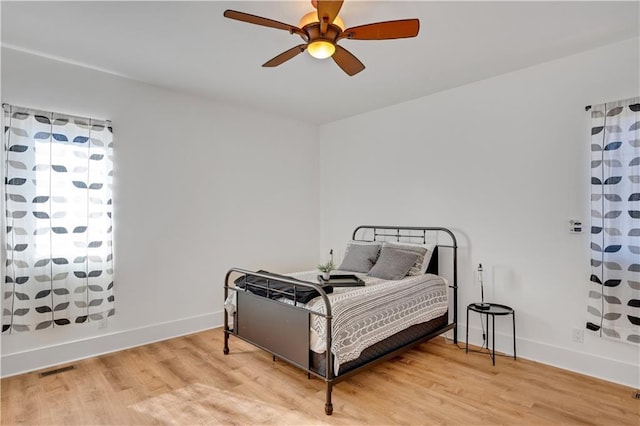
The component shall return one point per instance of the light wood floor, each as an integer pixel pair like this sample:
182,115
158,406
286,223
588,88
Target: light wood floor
188,381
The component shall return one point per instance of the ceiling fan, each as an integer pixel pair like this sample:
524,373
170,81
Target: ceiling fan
321,31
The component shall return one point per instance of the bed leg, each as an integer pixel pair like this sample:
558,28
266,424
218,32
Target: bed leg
226,344
328,406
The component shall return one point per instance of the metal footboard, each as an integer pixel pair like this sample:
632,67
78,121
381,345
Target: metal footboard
260,314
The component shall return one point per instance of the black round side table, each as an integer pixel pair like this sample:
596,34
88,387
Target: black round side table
492,310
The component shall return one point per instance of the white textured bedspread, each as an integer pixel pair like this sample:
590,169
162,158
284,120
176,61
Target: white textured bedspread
363,316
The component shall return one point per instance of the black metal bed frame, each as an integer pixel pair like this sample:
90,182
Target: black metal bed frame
256,317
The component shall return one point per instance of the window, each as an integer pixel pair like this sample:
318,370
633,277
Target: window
58,220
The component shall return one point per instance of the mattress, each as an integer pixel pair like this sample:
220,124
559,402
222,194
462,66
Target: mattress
388,345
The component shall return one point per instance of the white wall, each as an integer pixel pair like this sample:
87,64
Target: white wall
504,162
199,187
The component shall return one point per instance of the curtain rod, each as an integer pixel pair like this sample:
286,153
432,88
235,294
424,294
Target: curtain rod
6,106
588,107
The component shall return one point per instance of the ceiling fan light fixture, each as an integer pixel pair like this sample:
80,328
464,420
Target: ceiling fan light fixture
323,29
321,49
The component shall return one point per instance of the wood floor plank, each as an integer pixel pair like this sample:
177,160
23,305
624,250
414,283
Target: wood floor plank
188,380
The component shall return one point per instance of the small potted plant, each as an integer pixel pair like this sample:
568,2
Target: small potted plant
326,269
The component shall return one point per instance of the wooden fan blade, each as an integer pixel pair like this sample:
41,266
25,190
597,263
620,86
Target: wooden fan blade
345,60
259,20
327,12
403,28
285,56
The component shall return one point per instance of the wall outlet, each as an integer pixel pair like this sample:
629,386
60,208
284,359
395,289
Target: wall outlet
578,335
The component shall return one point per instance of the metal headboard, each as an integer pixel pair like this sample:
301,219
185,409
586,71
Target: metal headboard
382,232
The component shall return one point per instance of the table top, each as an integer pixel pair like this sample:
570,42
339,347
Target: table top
494,309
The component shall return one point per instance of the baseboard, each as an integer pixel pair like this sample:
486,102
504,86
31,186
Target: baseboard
26,361
611,370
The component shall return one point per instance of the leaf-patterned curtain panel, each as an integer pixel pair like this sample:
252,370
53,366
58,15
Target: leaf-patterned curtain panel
614,289
58,176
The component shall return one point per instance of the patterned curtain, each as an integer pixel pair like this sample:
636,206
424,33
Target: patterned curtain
57,233
614,289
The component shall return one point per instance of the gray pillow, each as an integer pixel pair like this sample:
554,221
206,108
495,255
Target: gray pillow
421,250
360,256
393,264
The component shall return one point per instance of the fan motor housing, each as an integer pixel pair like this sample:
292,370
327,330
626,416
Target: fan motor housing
313,32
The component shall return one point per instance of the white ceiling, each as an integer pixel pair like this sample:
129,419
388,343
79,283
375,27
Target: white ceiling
190,46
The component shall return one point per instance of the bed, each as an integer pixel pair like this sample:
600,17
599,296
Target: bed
332,333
